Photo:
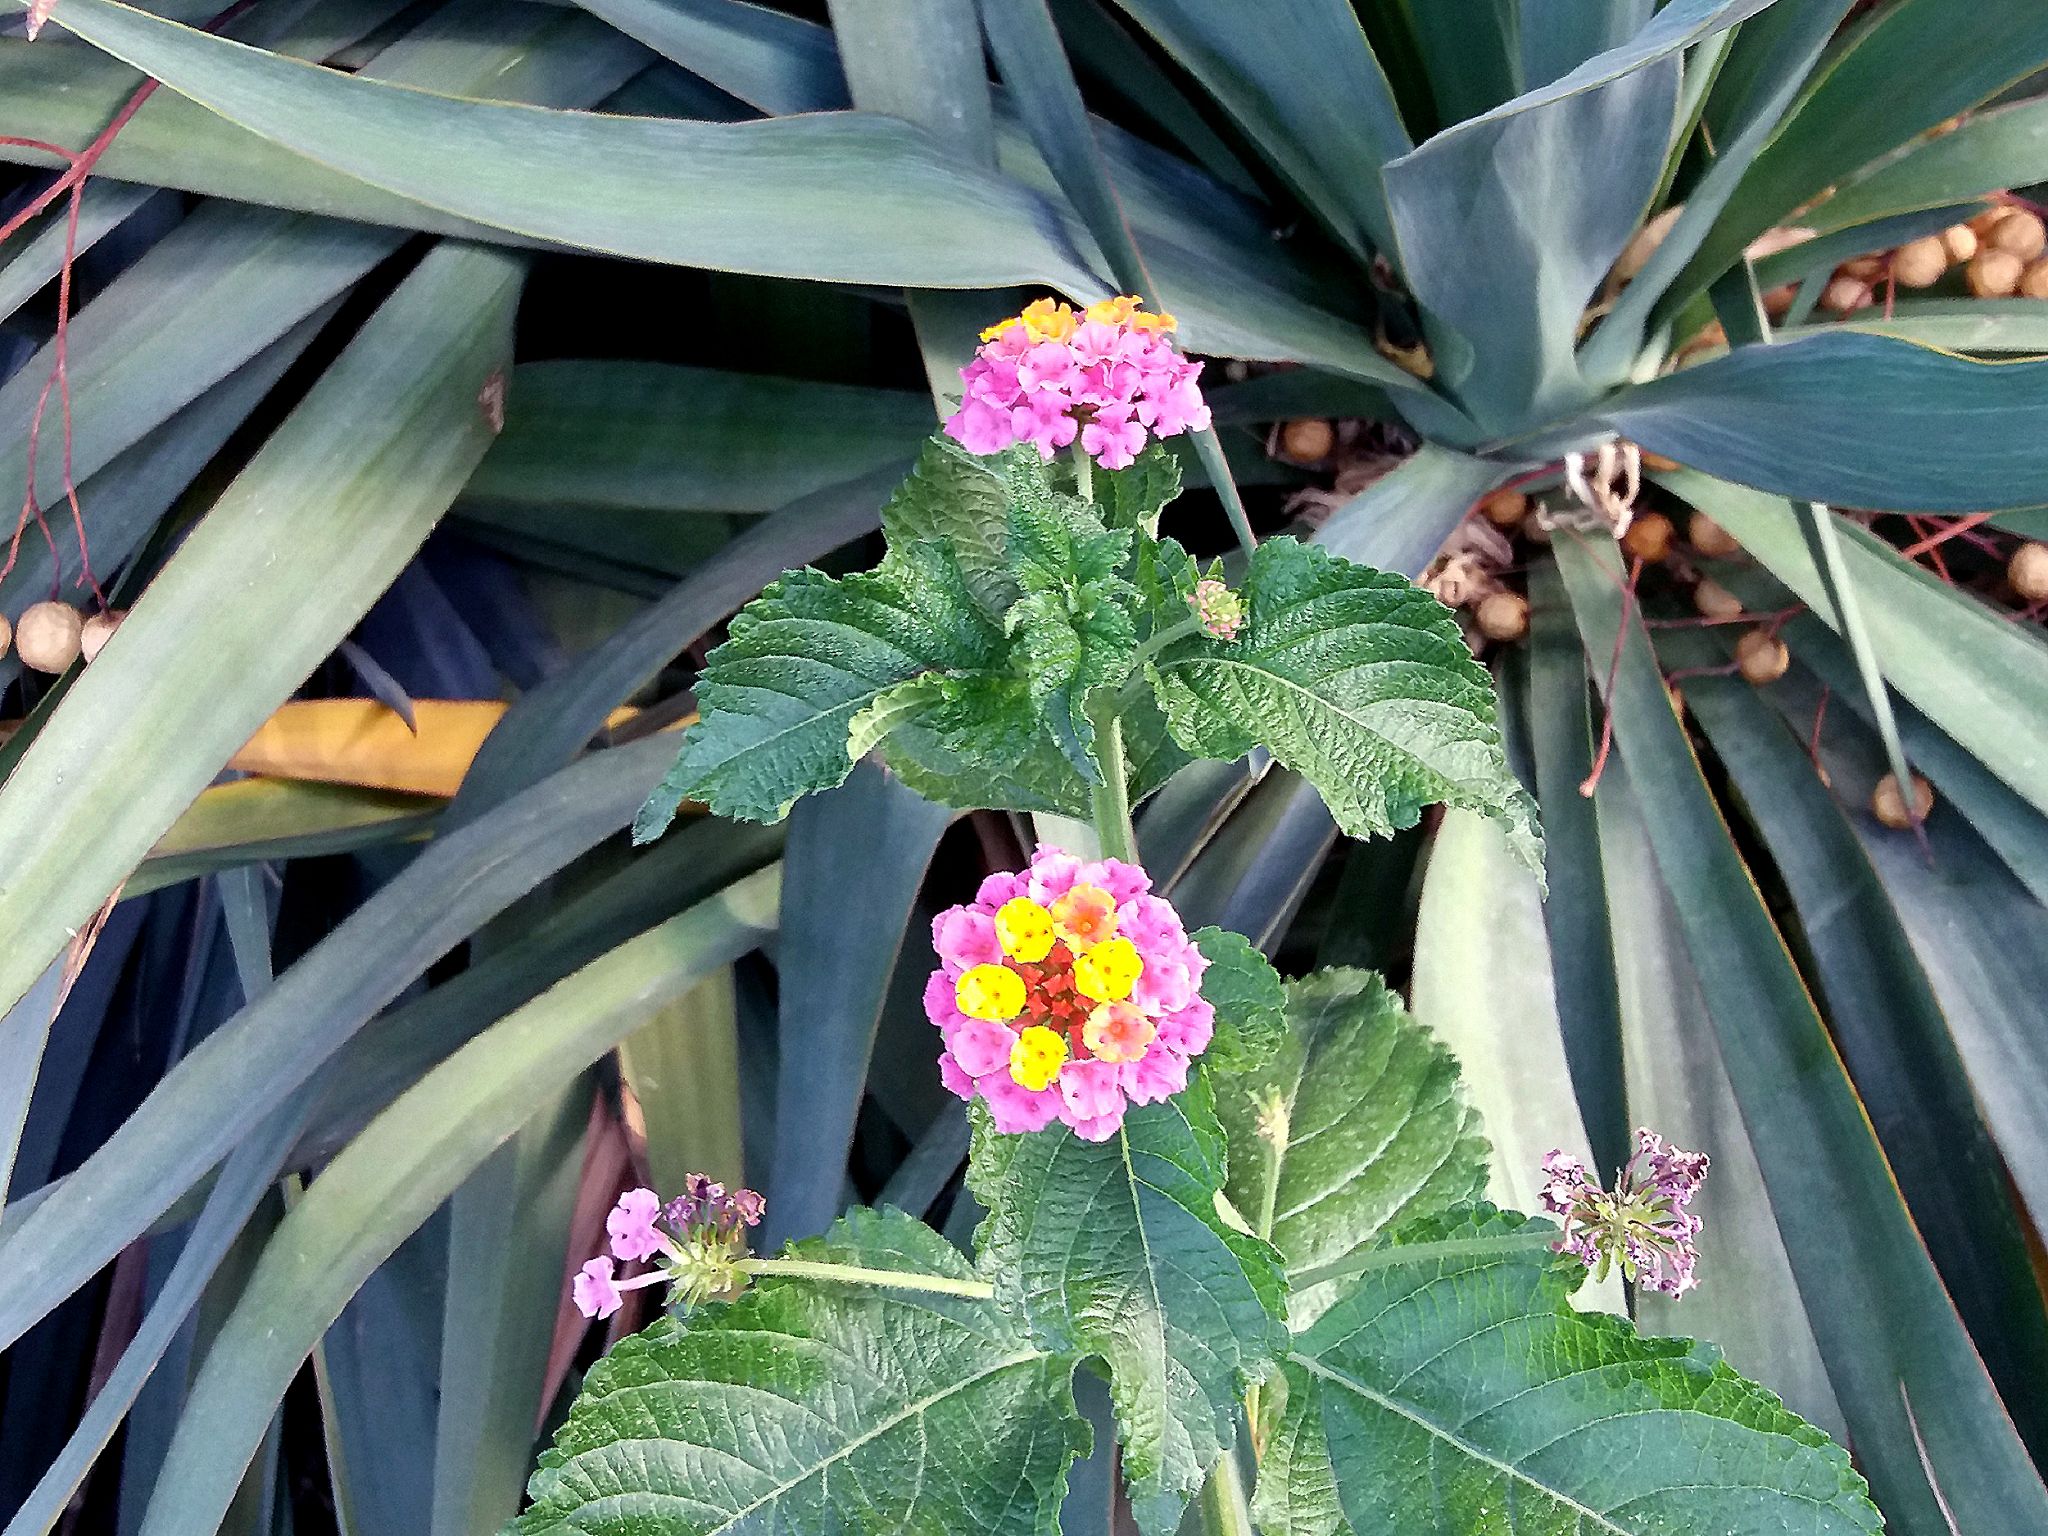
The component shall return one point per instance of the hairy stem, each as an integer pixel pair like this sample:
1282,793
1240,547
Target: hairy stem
1225,1510
1084,474
853,1274
1411,1253
1110,801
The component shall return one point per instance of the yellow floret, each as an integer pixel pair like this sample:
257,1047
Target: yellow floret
1024,929
1036,1058
1108,971
1160,322
1115,311
991,992
1048,320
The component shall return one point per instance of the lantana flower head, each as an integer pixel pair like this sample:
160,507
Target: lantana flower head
1108,376
1067,991
1642,1225
695,1240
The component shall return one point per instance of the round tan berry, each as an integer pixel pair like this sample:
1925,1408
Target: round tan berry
1762,656
1504,616
1979,224
1995,274
1846,295
97,631
1505,509
6,634
1657,463
1865,267
2034,281
1920,263
1889,806
47,636
1710,538
1307,440
1778,301
2028,571
1960,242
1649,537
2020,232
1715,601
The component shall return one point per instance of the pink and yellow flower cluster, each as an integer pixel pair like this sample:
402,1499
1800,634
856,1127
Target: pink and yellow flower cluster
1109,375
1067,991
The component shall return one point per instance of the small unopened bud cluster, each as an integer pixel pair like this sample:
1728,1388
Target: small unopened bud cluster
1642,1224
1219,610
696,1242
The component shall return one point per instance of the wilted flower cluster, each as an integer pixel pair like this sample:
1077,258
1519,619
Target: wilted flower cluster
1643,1225
1109,376
695,1241
1067,992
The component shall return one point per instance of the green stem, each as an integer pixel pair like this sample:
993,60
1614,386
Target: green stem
1225,1509
1084,474
1110,801
1415,1253
853,1274
1274,1129
1161,639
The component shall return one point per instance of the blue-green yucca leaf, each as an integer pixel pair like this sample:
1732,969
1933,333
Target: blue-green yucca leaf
809,1406
1852,420
1249,998
808,656
1358,1124
1454,1389
1359,681
1117,1248
954,495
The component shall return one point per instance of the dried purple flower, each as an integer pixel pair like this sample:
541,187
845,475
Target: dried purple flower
695,1241
1643,1225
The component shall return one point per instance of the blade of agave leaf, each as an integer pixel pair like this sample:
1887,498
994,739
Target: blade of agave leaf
1578,913
1911,1387
1955,325
1482,985
658,437
1801,29
1863,420
24,1033
1748,1303
1986,685
1538,200
1472,55
776,63
2004,147
1300,79
1401,520
2013,828
1254,870
386,438
684,1069
1189,809
552,722
254,820
508,1242
244,1180
1891,1029
1556,38
1034,65
405,1163
934,1158
226,1082
1891,81
856,857
37,261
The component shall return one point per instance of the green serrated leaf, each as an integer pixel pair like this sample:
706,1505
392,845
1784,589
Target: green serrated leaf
954,496
1165,576
1134,496
811,1406
1358,1125
1454,1388
1360,682
1118,1249
979,741
1249,998
804,661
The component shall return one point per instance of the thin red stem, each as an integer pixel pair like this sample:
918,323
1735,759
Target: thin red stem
1956,529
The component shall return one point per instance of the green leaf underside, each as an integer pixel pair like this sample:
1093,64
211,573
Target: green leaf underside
1116,1249
779,698
1378,1129
1456,1389
1360,682
1250,1002
811,1406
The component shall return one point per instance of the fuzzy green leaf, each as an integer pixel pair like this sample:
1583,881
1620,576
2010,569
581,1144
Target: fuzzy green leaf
1133,497
978,741
954,496
1360,682
1358,1125
811,1406
1117,1249
805,659
1249,998
1454,1390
